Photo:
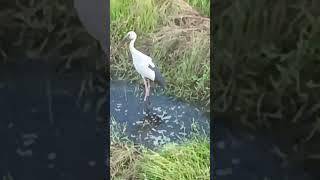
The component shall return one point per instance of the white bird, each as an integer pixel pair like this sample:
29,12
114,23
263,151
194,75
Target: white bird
143,65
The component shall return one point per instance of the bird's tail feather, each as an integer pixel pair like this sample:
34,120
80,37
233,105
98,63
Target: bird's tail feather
159,78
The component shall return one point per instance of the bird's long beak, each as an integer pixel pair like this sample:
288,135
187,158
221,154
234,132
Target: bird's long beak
124,40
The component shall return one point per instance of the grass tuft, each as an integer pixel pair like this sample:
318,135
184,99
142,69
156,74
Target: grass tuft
132,15
203,6
190,160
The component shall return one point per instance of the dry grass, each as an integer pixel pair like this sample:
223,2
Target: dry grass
124,154
123,162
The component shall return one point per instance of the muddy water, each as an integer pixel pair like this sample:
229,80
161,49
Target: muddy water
170,120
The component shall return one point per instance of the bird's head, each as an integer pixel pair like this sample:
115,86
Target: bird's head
129,37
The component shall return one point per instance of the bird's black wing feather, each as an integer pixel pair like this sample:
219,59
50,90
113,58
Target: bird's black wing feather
158,77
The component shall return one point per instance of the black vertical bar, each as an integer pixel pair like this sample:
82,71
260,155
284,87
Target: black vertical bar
47,131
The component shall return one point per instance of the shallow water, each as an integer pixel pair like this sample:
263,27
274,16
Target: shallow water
170,121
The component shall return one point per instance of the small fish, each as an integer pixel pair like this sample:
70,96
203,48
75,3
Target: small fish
139,122
155,143
167,117
182,133
119,105
162,131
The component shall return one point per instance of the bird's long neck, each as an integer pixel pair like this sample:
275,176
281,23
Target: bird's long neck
131,45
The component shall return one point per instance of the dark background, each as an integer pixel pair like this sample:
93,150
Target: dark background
53,94
265,74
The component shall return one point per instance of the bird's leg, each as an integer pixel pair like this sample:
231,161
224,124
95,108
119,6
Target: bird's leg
146,89
146,103
148,84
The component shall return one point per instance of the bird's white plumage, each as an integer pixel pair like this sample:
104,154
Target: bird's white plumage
141,61
143,65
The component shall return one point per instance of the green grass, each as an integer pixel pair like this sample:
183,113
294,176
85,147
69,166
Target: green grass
190,160
132,15
203,6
